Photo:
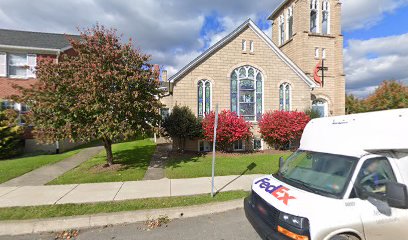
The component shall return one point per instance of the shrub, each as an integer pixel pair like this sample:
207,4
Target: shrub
312,113
182,124
279,128
231,128
11,142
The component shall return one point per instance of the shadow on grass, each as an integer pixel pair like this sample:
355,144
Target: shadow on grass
249,168
135,157
176,158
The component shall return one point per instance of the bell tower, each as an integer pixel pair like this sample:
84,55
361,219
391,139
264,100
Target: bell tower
309,32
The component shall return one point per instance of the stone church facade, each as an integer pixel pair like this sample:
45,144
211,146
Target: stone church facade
251,73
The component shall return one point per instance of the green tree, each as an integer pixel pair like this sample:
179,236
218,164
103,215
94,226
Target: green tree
389,95
11,142
354,105
182,124
107,90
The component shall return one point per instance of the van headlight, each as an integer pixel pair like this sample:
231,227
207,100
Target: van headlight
298,222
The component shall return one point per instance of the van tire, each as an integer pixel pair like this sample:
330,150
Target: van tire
344,237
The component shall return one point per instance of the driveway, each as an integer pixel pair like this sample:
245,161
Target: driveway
223,226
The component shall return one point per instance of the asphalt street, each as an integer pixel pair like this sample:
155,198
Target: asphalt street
223,226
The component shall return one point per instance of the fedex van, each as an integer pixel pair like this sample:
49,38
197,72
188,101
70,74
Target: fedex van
347,181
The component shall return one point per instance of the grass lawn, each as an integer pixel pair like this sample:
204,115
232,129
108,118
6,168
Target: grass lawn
15,167
192,166
131,161
20,213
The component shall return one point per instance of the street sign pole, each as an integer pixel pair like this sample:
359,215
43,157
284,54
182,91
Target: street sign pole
213,157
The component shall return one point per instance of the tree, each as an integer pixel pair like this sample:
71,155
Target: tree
11,142
312,113
354,105
280,128
182,124
231,128
389,95
107,90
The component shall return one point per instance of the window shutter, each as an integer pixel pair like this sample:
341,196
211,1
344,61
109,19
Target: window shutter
32,63
3,64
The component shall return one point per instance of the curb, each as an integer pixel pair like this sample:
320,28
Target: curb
20,227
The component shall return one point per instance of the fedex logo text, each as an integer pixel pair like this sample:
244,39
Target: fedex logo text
279,192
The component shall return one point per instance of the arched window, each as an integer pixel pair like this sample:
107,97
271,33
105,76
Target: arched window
285,94
314,13
204,97
321,106
326,17
290,22
282,29
246,93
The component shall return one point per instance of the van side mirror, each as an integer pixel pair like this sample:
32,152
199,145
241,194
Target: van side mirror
281,162
397,195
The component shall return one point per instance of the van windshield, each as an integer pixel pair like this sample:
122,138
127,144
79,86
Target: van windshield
320,173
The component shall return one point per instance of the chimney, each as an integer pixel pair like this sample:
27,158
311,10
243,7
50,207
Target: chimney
164,75
156,70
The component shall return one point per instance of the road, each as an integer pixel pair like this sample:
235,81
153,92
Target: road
223,226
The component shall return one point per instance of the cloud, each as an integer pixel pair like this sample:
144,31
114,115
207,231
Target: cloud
358,14
174,32
170,30
369,62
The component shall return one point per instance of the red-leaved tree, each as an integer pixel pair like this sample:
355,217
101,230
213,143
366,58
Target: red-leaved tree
106,90
231,128
280,128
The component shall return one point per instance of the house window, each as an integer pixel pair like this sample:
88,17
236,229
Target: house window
290,22
326,17
243,45
257,144
165,113
204,97
282,29
6,104
204,146
20,108
314,16
21,65
324,53
247,93
317,53
238,145
285,93
251,46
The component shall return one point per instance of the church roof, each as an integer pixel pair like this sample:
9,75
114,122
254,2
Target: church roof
249,23
277,9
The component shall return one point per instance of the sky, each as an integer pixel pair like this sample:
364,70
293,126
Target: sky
176,31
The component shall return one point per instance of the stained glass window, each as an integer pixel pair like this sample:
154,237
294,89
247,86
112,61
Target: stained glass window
207,98
285,97
246,93
204,97
200,99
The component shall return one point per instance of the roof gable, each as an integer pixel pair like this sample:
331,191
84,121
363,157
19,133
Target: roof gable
249,23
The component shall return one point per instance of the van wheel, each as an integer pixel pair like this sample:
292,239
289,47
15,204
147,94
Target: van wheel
344,237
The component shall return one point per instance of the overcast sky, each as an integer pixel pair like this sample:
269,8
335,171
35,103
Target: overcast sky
176,31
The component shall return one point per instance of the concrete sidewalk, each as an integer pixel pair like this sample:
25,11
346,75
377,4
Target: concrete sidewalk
48,173
105,192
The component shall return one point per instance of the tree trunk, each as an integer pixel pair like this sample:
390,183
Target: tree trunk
108,148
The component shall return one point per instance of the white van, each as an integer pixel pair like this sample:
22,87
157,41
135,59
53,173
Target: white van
348,180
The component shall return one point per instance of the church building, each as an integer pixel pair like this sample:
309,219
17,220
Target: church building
299,67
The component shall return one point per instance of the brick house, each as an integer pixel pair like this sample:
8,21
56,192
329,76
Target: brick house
19,54
250,73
